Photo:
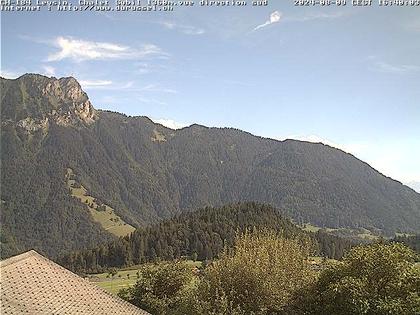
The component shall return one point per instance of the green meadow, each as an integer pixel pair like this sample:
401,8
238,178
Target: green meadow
106,217
124,278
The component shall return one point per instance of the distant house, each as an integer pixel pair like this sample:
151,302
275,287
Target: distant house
33,284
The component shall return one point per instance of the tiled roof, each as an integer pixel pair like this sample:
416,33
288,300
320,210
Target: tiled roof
32,284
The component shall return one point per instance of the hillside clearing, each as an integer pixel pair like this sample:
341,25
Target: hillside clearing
103,214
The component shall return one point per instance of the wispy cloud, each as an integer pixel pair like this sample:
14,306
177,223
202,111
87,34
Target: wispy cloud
382,66
157,88
146,67
143,68
89,84
81,50
237,82
275,17
185,29
148,100
48,71
9,74
128,86
169,123
393,68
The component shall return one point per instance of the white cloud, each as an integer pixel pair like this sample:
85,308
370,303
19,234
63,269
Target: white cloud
143,68
169,123
157,88
107,85
126,86
147,100
80,50
48,71
9,74
379,65
237,82
275,17
389,68
45,70
91,84
148,67
185,29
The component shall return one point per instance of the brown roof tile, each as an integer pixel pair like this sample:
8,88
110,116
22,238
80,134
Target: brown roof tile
32,284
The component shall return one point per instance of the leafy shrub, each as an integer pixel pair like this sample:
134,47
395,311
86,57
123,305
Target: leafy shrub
375,279
258,276
161,288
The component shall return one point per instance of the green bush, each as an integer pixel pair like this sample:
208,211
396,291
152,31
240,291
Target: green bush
372,279
266,274
258,276
162,288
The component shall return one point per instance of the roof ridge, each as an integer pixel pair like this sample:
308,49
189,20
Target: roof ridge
20,257
32,282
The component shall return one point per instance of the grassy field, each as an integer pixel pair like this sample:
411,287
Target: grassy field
313,228
107,218
310,228
124,278
405,234
360,233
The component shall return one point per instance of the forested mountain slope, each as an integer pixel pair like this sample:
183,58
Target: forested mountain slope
147,172
201,235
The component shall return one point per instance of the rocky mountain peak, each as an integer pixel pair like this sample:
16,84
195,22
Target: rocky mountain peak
33,101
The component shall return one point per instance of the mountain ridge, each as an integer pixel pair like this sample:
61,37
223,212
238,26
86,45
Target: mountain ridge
148,172
194,125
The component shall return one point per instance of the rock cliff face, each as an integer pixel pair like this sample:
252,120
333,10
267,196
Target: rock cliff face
32,102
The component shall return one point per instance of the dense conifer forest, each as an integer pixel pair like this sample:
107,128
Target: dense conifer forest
200,235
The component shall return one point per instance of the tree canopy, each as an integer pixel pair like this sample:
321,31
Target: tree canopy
264,273
198,235
375,279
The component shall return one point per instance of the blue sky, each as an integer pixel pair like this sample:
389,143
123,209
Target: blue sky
348,77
